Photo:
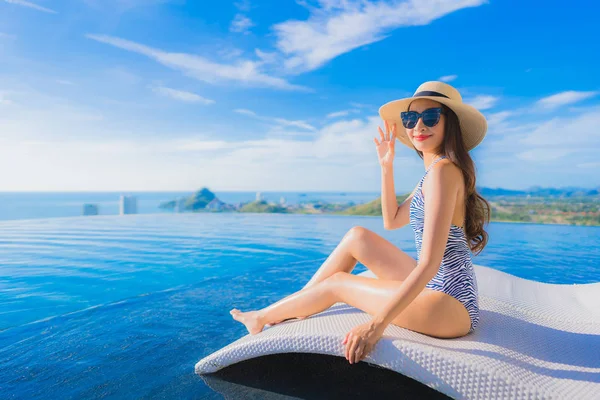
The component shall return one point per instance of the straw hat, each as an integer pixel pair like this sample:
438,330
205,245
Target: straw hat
472,122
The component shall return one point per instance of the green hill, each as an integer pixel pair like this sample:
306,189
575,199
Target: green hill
372,208
199,199
262,207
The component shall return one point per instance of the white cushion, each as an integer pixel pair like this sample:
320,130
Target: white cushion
534,340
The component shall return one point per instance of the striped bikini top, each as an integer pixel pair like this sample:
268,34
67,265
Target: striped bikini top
457,240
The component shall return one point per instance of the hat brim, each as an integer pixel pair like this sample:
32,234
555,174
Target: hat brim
473,124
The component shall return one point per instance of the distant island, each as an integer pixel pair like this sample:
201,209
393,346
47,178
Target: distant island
570,206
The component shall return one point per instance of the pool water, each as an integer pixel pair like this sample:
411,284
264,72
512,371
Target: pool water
124,306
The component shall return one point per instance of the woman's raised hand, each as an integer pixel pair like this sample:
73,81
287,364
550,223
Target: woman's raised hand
386,149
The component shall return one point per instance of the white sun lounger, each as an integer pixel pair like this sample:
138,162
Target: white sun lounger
534,340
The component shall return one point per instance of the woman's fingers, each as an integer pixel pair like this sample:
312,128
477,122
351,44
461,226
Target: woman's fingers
381,133
355,349
387,130
348,346
359,353
352,350
346,350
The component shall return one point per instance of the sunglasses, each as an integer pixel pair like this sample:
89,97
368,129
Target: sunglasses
431,117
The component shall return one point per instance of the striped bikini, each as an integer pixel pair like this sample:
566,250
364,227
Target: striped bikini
456,276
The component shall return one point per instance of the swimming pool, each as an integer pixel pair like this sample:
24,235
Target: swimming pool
126,305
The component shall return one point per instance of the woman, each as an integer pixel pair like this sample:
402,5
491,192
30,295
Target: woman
436,294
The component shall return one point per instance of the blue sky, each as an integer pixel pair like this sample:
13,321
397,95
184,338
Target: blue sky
284,95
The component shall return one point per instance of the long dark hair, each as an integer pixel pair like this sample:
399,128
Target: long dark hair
478,210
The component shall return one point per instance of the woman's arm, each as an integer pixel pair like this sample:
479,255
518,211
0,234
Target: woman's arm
402,217
389,204
440,191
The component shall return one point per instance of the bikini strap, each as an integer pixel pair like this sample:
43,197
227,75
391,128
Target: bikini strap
433,163
425,174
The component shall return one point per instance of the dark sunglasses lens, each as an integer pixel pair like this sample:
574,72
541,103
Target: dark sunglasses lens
431,117
409,119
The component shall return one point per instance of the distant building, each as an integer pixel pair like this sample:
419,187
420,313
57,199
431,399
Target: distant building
127,205
90,209
282,200
258,196
180,205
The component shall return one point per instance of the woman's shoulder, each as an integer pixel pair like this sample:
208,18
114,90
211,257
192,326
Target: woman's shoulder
447,168
447,161
446,172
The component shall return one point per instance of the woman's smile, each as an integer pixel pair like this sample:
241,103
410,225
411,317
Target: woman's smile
421,138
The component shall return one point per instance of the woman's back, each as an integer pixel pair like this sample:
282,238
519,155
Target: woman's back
455,275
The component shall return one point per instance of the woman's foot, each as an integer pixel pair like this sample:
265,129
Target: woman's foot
251,319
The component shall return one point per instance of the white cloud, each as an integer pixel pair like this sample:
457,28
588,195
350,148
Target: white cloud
241,24
4,100
577,132
295,123
245,112
33,116
266,57
561,140
281,122
360,105
338,114
182,95
199,145
448,78
121,75
564,98
62,146
64,82
526,149
7,36
31,5
498,118
342,113
482,102
593,164
341,26
180,161
544,155
230,53
243,5
200,68
122,6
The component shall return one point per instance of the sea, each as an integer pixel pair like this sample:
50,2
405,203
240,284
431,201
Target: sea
123,306
26,205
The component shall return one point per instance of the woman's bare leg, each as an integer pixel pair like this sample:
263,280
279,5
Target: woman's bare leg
305,302
383,258
340,259
387,261
432,312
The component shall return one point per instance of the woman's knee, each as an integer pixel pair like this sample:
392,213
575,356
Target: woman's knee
357,233
334,281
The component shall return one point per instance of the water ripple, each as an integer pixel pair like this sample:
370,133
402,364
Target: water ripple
93,306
